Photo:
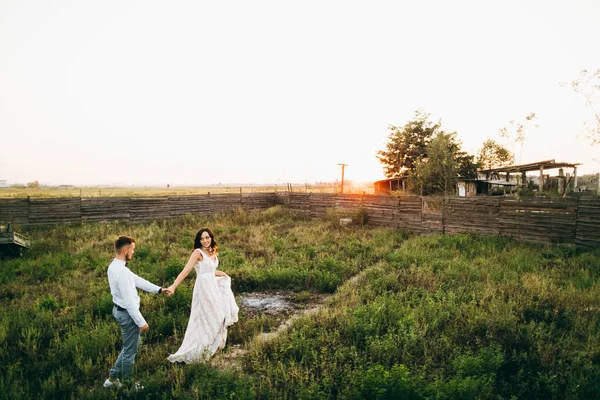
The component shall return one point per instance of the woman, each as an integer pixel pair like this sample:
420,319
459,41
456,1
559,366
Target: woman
213,305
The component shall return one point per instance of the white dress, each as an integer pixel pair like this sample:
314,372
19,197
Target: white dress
213,310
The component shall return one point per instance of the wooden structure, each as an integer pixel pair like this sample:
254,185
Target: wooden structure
569,221
564,182
13,242
473,187
41,211
466,187
389,185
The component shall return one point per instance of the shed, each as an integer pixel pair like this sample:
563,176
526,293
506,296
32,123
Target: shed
564,182
473,187
466,187
13,242
389,185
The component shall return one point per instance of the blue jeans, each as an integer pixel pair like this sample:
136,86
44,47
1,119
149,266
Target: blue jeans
131,341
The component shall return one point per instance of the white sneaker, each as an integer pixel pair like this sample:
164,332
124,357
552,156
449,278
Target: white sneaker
114,384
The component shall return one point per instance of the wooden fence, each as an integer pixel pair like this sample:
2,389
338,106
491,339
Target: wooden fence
38,211
569,221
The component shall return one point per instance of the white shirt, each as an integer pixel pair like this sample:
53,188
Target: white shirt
122,287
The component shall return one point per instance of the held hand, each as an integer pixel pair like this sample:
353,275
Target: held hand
171,290
144,329
167,291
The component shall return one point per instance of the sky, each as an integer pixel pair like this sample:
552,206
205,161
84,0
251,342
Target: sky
198,92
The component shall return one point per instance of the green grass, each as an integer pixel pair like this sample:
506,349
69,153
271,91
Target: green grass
440,317
449,317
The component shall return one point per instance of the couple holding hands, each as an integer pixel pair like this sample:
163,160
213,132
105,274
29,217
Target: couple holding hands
213,305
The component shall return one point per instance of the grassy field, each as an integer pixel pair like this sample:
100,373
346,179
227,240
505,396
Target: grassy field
439,317
132,191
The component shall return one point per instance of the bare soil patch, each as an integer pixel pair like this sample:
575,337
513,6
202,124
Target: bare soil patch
286,304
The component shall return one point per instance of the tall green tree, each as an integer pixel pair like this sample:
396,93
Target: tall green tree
467,167
439,171
493,155
407,144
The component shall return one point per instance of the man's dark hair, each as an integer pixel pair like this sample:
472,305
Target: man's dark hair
123,241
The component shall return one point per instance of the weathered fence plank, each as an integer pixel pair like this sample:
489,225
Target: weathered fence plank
97,209
149,208
14,210
552,220
588,223
54,210
477,215
195,204
571,221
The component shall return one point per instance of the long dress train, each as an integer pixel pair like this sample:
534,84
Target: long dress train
213,310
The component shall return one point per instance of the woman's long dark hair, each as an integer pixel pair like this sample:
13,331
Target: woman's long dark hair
213,243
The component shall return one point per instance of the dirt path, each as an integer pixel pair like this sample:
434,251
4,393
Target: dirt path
271,303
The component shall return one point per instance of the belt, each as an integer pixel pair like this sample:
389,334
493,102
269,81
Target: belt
120,308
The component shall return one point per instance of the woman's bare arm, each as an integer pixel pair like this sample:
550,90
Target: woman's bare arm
186,270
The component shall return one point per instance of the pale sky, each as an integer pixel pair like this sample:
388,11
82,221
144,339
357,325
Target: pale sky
198,92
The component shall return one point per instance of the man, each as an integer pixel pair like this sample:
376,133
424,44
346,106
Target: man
126,310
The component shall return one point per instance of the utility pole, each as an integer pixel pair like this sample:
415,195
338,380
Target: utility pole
343,166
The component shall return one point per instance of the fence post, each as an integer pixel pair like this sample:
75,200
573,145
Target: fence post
80,212
576,221
28,209
444,203
129,208
421,199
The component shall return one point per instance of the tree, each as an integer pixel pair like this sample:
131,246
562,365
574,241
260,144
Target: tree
439,172
406,145
493,155
588,86
33,185
467,167
515,132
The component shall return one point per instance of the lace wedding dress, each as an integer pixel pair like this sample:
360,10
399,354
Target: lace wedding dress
213,311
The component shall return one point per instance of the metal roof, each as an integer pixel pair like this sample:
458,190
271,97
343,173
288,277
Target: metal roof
548,164
500,182
391,179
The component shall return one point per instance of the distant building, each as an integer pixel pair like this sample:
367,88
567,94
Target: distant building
3,184
468,187
389,185
504,180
